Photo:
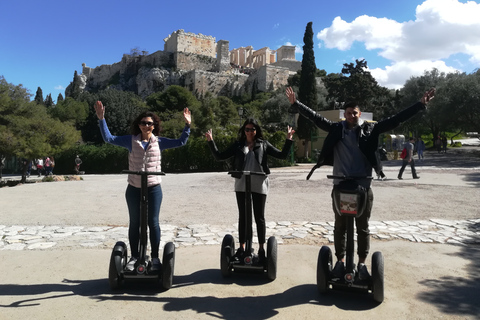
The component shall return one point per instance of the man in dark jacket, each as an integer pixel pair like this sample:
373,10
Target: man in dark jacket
350,148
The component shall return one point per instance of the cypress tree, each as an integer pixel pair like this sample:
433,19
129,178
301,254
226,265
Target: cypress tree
39,96
60,98
307,92
49,101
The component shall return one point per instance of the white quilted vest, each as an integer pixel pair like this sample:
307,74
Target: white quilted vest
144,160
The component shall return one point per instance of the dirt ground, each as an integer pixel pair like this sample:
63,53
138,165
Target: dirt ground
422,281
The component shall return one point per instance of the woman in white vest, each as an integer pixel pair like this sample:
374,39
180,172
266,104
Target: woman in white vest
145,148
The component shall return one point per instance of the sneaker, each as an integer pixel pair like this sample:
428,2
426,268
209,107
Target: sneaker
156,265
363,272
261,255
131,264
239,254
339,269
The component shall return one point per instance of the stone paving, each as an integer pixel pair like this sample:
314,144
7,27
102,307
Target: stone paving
24,237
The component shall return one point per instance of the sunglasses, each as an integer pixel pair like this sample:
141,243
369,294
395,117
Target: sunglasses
146,123
250,129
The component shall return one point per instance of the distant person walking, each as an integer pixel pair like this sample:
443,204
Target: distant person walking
420,149
39,164
438,144
408,160
444,143
78,162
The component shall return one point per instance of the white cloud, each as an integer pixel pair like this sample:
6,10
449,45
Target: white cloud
395,75
59,87
441,29
276,25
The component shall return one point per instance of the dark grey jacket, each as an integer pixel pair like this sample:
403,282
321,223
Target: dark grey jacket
262,149
368,133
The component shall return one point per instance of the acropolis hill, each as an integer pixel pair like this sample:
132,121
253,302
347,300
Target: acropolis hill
197,62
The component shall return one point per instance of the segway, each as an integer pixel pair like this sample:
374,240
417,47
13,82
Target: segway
117,272
249,262
350,201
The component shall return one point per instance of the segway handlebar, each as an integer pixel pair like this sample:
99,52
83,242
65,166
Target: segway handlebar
247,173
144,173
349,177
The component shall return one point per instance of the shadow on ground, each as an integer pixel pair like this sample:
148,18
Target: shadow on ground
455,295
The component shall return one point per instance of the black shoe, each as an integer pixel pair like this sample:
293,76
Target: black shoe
261,256
339,270
400,178
239,254
417,177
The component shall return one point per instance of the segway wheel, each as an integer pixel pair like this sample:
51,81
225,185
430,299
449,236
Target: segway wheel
118,261
377,277
168,265
324,267
228,249
272,258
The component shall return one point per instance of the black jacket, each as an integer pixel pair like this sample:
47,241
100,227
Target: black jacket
262,149
368,132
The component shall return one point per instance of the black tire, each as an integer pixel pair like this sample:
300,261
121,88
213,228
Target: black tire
324,267
272,258
226,254
168,265
118,261
377,277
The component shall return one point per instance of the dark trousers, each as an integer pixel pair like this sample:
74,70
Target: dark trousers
412,166
133,197
363,233
258,201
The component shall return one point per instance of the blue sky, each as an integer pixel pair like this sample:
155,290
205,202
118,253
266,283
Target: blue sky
42,43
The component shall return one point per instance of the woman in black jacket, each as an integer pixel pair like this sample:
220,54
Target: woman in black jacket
249,153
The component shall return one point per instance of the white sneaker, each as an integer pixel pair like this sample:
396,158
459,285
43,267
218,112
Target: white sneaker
131,264
156,265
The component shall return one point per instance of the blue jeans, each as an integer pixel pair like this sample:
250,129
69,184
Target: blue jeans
133,197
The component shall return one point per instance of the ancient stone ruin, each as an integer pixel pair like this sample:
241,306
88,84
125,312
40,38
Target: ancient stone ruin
197,62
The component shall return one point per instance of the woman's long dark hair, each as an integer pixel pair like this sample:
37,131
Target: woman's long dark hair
135,129
258,133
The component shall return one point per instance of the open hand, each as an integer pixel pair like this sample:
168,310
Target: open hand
290,95
100,110
187,115
429,95
209,135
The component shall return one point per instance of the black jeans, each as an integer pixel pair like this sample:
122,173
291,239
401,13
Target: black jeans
258,201
412,166
363,233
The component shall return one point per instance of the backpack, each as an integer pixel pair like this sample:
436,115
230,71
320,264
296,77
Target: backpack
403,155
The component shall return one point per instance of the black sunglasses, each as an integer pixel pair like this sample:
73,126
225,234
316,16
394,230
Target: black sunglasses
146,123
250,129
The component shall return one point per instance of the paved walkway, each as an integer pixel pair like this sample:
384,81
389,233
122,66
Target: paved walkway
18,237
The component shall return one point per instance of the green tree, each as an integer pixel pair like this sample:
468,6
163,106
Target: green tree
71,110
39,96
121,108
26,129
49,101
60,98
307,92
458,101
169,105
412,91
